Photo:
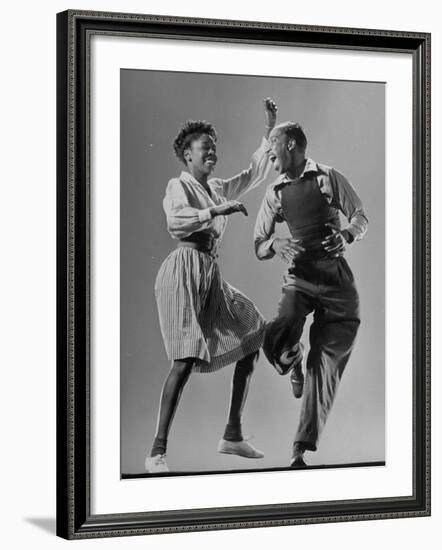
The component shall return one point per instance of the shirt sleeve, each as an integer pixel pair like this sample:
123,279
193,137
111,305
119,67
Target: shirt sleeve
348,202
249,179
268,216
183,219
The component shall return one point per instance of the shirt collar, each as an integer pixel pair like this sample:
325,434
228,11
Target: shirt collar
187,177
310,167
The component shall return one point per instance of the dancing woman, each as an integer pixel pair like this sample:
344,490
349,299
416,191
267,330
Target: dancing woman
206,323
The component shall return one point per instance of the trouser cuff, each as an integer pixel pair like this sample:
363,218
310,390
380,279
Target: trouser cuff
307,440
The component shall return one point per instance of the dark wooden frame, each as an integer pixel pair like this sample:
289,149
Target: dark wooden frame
74,518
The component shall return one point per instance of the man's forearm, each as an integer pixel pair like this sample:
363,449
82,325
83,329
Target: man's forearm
263,249
357,227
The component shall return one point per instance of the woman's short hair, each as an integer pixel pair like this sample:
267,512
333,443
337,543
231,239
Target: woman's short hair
191,130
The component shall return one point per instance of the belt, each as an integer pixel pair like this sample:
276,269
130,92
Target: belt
311,255
203,243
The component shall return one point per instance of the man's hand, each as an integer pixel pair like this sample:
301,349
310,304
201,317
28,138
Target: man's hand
227,208
287,249
270,110
334,244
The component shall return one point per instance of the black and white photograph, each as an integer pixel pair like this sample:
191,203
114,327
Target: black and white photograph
252,273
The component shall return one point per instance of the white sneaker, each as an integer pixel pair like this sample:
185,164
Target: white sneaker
240,448
156,464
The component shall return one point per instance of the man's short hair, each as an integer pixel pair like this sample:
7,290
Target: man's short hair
191,130
293,130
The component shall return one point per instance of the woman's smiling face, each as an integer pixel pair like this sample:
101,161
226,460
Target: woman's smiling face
201,155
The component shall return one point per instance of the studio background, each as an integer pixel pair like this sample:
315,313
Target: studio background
345,127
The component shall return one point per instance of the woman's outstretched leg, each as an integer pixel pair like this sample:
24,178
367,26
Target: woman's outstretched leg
170,396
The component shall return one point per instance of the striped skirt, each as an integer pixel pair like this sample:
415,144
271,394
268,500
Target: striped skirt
201,315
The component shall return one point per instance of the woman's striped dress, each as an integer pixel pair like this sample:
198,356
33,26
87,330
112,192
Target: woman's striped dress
200,314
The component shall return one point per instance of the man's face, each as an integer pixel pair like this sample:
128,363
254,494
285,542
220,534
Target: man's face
201,154
280,154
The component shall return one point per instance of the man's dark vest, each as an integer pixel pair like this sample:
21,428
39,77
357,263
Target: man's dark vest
306,211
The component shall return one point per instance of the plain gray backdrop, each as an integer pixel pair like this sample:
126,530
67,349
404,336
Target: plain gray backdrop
345,127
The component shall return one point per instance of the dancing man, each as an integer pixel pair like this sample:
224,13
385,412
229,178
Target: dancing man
309,196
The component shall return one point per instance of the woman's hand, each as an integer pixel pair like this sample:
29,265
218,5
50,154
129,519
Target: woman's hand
227,208
287,249
270,110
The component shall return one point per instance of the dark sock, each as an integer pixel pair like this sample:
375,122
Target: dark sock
233,432
159,446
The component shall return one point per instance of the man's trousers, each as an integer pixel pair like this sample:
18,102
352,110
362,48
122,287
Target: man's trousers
326,288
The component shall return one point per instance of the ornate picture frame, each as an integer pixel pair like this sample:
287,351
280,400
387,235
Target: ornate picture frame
76,518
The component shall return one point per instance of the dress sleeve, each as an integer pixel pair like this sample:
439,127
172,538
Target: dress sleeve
346,199
183,219
249,179
268,216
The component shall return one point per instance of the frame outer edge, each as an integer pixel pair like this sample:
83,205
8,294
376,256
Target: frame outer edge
63,286
71,522
427,262
265,25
